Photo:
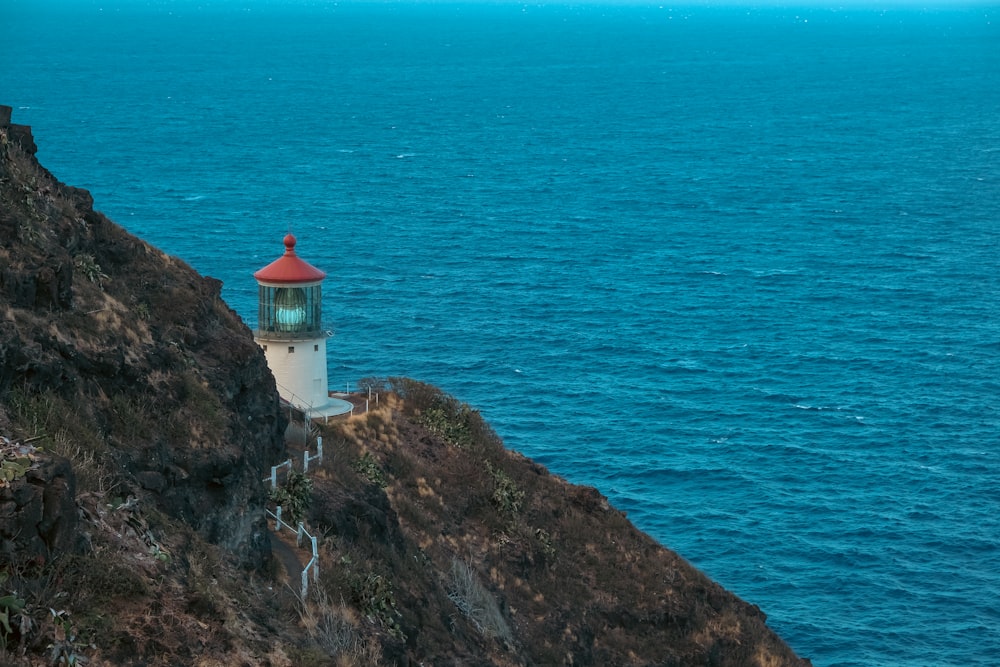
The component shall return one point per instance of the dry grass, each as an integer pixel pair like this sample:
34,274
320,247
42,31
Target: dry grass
335,629
568,564
476,603
65,431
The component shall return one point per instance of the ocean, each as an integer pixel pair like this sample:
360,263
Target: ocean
736,267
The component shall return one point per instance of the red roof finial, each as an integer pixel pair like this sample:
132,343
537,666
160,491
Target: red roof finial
289,268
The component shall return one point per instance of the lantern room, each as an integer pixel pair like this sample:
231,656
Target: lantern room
291,296
290,329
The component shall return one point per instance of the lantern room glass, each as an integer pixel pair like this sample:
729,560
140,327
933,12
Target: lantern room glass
290,311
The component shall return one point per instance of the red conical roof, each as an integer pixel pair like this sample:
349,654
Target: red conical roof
289,268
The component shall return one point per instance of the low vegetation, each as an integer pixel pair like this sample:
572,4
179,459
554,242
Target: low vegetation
431,551
446,548
293,496
477,603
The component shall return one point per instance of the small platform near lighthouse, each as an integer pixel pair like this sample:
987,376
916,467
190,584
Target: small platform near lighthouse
291,333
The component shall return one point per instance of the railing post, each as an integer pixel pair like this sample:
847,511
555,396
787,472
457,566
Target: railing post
274,477
277,519
315,561
305,584
298,538
319,448
305,461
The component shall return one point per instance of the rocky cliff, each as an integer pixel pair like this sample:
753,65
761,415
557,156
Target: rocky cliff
137,420
127,361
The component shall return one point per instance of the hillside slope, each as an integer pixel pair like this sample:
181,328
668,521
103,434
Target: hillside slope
483,557
121,355
137,420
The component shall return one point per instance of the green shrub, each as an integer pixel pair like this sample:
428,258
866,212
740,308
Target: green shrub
457,422
372,594
451,419
91,270
368,467
507,497
294,497
10,606
64,650
544,543
13,468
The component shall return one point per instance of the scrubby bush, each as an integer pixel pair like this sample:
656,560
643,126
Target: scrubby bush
507,497
475,602
373,384
438,412
371,593
368,467
294,496
335,629
91,270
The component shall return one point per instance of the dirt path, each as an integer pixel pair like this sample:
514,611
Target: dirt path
288,555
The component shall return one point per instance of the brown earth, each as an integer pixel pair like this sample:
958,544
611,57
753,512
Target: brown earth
483,557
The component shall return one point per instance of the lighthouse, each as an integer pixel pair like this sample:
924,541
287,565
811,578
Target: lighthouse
290,330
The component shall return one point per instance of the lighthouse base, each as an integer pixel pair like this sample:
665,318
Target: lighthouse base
333,408
299,369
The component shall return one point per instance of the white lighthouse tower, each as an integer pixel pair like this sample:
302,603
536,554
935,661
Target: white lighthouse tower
290,330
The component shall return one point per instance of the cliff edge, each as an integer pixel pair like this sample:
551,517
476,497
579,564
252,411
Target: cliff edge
137,420
126,361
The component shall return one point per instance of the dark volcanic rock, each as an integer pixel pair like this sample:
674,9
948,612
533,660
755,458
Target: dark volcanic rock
111,349
45,286
38,515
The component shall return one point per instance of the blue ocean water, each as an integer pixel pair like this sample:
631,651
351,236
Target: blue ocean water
738,268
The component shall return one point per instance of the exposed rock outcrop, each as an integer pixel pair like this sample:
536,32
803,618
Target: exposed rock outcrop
38,515
128,360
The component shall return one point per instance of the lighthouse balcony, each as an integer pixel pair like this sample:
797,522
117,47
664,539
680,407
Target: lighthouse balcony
278,334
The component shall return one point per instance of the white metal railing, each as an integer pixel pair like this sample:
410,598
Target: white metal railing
288,463
306,458
367,400
300,532
274,473
294,399
296,402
